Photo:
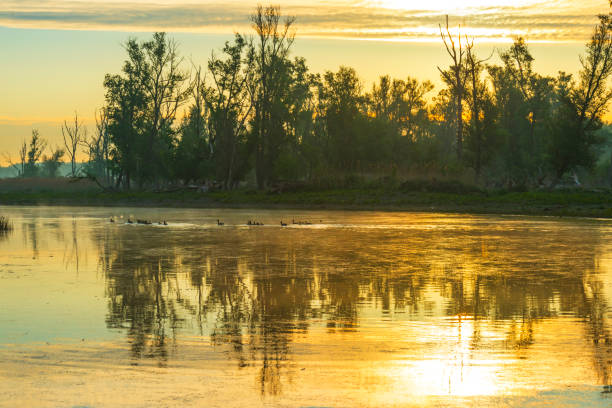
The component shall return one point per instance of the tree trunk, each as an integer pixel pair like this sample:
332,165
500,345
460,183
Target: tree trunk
459,127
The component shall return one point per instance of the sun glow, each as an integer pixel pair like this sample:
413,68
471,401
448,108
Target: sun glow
451,5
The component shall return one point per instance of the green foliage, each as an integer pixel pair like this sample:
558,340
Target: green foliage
52,162
142,105
257,114
33,154
580,106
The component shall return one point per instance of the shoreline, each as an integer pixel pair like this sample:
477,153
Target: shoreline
564,204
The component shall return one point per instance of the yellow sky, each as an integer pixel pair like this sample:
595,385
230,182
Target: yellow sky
552,20
55,53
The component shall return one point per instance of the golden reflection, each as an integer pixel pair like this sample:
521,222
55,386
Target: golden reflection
391,308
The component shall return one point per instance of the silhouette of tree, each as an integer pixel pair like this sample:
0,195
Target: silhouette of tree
74,135
35,150
268,83
52,162
455,77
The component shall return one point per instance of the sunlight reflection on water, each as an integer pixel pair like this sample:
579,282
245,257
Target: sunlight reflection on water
354,309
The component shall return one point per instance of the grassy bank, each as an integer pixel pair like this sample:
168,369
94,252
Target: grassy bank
558,203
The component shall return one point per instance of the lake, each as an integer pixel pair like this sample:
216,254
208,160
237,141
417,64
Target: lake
376,309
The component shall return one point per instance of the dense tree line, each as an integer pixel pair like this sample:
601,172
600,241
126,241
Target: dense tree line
257,114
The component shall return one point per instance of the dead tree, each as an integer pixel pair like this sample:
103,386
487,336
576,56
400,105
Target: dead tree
74,136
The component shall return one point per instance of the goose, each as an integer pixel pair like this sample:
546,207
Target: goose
129,221
283,224
112,219
220,223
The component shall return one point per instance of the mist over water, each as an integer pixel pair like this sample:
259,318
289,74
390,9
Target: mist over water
352,309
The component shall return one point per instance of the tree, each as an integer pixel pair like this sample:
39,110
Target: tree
400,111
194,148
298,110
163,83
52,162
142,105
536,92
402,102
455,77
341,96
97,149
32,157
125,104
230,104
478,99
74,135
270,54
582,105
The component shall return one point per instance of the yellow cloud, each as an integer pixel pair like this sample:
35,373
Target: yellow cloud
556,20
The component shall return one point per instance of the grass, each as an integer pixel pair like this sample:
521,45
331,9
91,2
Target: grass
557,203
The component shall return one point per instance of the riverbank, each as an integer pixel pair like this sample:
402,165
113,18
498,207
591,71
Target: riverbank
554,203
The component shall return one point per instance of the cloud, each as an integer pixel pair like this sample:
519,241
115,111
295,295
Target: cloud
559,21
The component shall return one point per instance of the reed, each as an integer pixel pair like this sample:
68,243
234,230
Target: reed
5,224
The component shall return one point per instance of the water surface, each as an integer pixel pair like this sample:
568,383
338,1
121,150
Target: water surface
355,309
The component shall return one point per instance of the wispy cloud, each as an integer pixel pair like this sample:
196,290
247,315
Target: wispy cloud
557,20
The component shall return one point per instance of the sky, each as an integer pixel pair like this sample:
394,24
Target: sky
54,53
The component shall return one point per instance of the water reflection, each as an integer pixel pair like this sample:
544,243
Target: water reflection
480,287
363,309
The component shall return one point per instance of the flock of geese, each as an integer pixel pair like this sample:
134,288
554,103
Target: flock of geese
250,223
139,221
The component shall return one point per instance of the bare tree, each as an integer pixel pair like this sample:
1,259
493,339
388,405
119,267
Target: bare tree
20,166
97,147
455,77
74,135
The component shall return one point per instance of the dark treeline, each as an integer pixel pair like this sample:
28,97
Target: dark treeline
256,114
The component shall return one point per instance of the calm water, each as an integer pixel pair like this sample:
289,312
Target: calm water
358,309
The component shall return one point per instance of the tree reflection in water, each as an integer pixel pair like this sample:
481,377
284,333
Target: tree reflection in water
253,292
